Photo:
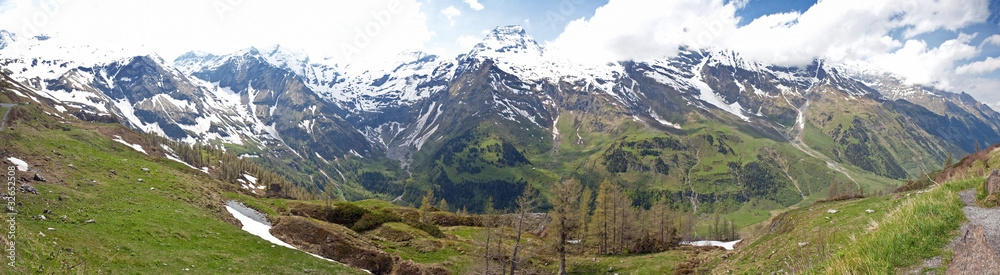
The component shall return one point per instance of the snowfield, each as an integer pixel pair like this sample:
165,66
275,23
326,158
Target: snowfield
136,147
726,245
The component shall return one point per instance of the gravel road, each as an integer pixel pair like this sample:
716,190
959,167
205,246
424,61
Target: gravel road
988,218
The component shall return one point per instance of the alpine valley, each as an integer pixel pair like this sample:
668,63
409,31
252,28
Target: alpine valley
706,132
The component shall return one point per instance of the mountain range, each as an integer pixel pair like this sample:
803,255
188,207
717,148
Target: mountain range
705,130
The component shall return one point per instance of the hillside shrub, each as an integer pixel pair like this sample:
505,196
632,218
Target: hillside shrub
373,220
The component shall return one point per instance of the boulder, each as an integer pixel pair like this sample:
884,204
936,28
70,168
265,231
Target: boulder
38,177
973,254
27,188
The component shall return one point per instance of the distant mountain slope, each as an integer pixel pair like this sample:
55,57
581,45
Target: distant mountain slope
104,202
699,128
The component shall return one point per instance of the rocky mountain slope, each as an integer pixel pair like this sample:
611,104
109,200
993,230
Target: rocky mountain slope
703,129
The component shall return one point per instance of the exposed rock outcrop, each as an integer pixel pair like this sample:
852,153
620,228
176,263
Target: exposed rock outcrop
27,188
333,241
993,182
973,254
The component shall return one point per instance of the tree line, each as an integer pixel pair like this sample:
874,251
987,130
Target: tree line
228,167
580,221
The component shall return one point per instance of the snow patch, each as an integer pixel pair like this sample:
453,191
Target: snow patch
21,165
250,178
136,147
175,158
663,121
711,97
726,245
321,157
555,128
263,231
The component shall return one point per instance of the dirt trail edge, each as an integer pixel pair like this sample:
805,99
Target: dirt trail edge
977,248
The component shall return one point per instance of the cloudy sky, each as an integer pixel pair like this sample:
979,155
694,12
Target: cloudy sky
949,44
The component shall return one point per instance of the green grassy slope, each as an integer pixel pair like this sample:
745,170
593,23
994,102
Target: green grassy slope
902,229
171,222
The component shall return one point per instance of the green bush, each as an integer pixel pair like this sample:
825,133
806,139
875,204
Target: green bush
429,228
345,214
373,220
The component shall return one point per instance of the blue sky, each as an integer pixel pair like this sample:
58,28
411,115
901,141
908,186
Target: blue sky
948,44
546,20
543,20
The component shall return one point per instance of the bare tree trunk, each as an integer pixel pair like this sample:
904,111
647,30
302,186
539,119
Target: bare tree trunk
503,264
614,225
604,233
486,271
565,200
525,203
562,247
517,243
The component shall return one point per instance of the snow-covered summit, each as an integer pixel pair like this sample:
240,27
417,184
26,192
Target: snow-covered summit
506,41
6,38
890,85
47,57
401,80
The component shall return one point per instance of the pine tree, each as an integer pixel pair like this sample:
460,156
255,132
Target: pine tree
716,230
428,201
444,205
600,220
834,190
565,199
584,214
525,204
663,223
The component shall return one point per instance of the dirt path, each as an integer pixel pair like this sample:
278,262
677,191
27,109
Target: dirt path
989,219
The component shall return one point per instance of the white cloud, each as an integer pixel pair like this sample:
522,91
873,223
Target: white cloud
836,30
474,5
983,89
923,65
368,29
992,40
980,67
466,42
847,29
450,13
635,29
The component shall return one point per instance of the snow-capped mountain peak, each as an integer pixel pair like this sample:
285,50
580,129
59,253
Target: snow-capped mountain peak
6,38
507,40
283,57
